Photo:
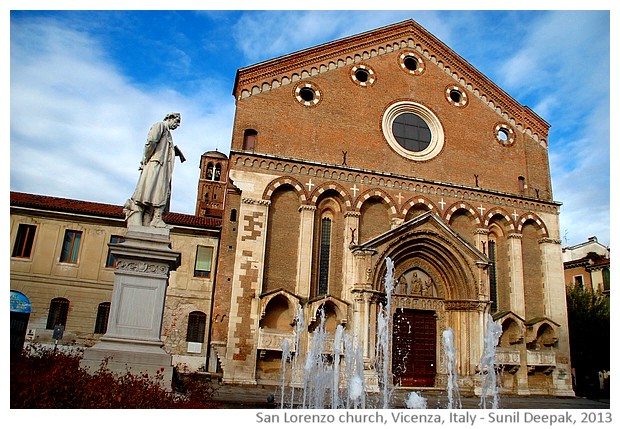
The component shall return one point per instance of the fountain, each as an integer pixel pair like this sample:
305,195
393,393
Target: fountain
415,401
383,333
286,356
330,382
488,373
454,399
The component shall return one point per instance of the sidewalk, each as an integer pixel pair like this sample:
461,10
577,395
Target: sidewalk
259,397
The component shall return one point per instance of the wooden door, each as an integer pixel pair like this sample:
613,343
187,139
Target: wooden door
414,344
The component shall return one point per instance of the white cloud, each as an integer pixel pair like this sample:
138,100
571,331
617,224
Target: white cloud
78,126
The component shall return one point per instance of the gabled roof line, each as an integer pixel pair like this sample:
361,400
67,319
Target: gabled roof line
291,68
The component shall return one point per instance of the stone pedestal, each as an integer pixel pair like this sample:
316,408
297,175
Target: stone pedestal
132,340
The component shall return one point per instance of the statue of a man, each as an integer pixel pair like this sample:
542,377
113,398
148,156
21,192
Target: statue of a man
151,199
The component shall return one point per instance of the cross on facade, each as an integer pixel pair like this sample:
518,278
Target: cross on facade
399,197
515,215
354,189
310,184
442,203
481,210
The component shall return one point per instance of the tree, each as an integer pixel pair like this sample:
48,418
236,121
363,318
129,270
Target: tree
589,336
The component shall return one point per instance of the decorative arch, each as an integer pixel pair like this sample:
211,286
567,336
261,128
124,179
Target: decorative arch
461,205
497,211
370,193
513,328
339,307
535,219
286,180
418,199
438,256
291,300
327,186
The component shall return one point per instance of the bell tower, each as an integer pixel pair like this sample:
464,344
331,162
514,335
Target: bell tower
212,183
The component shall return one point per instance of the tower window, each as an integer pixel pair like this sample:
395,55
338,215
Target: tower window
249,139
521,185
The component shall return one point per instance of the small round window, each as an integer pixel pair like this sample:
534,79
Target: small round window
363,75
504,134
411,63
308,94
412,130
456,96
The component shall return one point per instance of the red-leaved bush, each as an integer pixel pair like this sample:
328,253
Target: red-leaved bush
43,378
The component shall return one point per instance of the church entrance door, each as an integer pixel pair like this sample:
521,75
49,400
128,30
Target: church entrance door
414,343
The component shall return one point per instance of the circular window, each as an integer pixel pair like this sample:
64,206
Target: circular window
412,130
363,75
456,96
504,134
411,63
308,94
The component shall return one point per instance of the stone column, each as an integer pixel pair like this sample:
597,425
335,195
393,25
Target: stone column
363,285
515,255
304,251
132,340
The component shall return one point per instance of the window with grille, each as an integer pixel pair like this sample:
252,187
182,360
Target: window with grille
411,132
70,246
103,312
326,232
59,308
23,241
196,326
204,256
111,260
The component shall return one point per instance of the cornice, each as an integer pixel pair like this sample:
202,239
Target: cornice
392,181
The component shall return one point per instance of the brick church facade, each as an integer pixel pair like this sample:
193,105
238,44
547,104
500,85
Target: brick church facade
384,145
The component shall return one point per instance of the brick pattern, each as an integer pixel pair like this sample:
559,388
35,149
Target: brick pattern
247,282
253,226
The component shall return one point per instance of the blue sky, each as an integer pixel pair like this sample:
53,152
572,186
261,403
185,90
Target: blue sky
86,85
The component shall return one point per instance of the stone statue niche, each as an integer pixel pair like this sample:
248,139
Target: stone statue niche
416,282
